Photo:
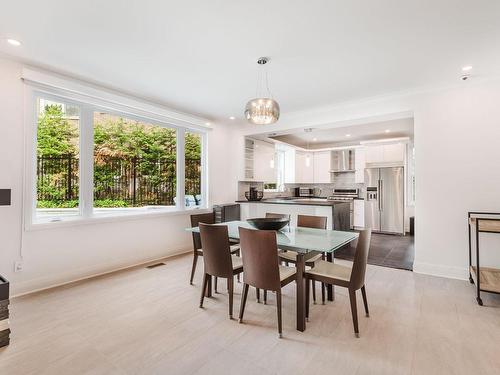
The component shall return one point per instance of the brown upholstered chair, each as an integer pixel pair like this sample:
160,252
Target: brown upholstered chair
208,218
273,216
262,270
217,259
352,278
306,221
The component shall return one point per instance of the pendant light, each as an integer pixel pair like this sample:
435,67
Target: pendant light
263,110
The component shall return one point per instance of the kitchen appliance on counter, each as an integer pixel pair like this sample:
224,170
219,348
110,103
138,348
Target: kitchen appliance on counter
384,204
347,195
253,194
304,192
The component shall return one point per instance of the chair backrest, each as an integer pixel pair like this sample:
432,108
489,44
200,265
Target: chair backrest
317,222
216,251
271,215
360,259
260,258
208,218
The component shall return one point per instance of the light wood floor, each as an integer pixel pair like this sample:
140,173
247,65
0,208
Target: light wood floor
148,322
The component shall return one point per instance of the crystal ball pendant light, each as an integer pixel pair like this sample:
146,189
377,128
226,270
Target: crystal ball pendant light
263,110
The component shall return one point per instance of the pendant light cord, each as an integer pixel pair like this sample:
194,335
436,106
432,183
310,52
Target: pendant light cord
262,82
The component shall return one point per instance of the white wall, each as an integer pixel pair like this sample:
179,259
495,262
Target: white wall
457,145
62,254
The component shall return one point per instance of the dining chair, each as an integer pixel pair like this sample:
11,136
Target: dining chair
217,259
261,267
352,278
272,215
196,219
307,221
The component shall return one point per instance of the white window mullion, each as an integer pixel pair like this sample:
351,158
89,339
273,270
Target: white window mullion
86,161
181,169
204,171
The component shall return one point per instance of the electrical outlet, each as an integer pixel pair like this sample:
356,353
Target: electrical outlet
18,266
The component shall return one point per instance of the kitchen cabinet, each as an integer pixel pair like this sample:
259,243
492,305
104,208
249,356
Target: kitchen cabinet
394,153
264,168
359,166
359,213
386,154
321,167
304,171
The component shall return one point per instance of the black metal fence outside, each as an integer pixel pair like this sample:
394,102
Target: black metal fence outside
129,181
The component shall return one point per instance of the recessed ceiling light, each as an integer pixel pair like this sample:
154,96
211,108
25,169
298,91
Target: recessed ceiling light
466,68
387,130
315,139
14,42
207,123
231,117
347,135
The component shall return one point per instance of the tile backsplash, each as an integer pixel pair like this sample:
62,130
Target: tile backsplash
340,181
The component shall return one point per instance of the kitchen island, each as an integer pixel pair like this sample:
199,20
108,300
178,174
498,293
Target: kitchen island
337,212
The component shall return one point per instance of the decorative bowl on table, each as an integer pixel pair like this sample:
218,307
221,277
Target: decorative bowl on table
269,223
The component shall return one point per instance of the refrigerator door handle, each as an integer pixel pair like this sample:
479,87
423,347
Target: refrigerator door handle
381,195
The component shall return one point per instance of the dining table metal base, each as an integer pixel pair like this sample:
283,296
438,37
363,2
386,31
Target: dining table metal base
301,292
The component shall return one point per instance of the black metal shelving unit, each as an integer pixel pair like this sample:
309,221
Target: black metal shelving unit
486,279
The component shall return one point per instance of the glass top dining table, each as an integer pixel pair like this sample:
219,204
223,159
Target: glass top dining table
306,242
299,239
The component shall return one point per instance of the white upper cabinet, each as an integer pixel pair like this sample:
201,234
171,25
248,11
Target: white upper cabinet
304,171
374,154
264,168
321,167
387,154
359,165
394,153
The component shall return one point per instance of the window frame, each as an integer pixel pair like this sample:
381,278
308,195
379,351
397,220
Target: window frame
86,213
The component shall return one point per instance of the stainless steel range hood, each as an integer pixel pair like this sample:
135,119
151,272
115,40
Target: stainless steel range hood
343,161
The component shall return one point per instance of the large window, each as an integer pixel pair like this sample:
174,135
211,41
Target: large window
192,155
134,163
91,162
57,158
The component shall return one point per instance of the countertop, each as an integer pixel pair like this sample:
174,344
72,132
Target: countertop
298,201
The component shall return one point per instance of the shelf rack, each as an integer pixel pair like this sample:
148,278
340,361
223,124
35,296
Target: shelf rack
486,279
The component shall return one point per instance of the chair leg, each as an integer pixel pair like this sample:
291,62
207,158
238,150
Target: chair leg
238,275
203,289
215,285
265,297
323,293
230,285
354,311
314,290
365,301
209,287
308,293
257,292
193,269
278,305
243,301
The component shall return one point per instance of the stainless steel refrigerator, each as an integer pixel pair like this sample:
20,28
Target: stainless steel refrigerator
384,205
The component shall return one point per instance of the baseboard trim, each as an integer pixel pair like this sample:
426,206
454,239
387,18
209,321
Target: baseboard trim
99,274
458,273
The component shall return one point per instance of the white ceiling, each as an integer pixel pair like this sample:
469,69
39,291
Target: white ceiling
349,135
199,56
